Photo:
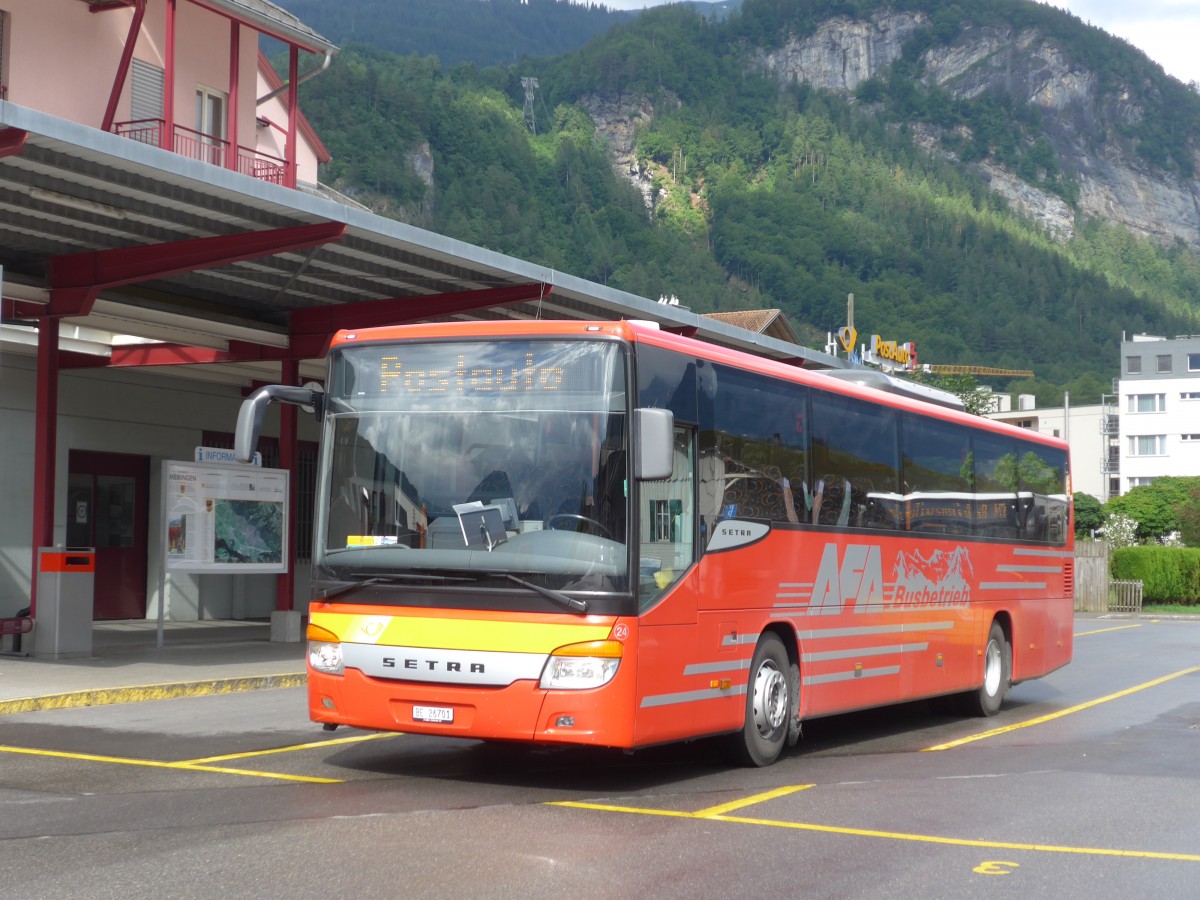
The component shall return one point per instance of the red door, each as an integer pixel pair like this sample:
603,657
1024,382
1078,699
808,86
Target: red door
108,508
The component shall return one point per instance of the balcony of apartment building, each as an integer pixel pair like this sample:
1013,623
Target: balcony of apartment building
143,58
208,148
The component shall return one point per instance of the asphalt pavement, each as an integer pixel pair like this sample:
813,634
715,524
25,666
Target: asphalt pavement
128,663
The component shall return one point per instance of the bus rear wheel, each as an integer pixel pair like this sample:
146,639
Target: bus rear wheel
769,705
997,675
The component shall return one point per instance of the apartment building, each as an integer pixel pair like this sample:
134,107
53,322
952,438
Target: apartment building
1158,409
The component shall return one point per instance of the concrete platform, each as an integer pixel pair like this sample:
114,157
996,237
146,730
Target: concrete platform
127,664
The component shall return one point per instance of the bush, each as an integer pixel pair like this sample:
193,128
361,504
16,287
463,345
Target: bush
1167,574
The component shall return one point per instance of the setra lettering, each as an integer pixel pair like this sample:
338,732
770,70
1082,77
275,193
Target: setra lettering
434,665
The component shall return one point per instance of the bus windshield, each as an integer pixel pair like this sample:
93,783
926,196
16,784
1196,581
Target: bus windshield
450,462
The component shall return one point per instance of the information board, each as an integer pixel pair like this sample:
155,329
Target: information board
221,518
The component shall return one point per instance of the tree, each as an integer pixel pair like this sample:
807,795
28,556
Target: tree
1189,517
1156,506
1119,531
1089,514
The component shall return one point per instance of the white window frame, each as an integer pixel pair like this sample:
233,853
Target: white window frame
211,104
1157,401
1193,362
1137,444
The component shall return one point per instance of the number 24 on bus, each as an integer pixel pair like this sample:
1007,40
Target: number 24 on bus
604,534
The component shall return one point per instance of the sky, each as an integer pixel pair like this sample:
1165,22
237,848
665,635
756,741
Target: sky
1165,30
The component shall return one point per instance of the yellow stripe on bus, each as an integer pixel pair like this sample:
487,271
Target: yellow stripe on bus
459,634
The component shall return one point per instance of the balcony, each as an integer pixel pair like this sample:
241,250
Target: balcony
206,148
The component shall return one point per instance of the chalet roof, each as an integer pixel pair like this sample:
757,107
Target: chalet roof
761,321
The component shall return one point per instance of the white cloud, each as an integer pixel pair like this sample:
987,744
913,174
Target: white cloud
1165,30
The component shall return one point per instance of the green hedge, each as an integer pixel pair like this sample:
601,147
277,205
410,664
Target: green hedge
1167,574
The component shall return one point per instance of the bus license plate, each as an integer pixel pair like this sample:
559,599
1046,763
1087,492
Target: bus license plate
433,714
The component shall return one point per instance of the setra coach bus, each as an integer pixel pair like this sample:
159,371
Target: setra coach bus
601,533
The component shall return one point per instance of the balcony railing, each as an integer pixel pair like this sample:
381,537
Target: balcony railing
205,147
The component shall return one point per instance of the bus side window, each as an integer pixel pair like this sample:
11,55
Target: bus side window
753,453
857,445
936,459
996,482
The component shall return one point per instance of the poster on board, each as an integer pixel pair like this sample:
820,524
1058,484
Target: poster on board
221,518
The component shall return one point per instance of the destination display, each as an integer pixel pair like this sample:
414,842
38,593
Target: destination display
472,370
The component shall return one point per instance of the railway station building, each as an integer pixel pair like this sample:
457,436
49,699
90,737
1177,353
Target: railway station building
166,247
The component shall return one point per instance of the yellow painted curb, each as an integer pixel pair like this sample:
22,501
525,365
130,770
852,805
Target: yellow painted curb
138,693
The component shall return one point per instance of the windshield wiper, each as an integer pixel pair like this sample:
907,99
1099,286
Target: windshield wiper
367,580
561,599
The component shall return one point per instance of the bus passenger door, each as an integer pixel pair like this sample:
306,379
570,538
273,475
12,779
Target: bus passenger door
667,592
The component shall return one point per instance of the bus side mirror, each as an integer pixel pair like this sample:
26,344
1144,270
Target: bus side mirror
655,444
254,408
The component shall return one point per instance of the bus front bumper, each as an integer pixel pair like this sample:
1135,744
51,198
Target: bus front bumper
521,711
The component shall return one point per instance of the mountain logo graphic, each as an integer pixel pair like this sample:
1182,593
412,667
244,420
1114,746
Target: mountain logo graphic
942,579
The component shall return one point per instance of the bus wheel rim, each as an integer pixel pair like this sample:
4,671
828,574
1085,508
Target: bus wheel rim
992,669
770,699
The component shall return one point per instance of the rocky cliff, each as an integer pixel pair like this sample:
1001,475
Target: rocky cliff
1082,124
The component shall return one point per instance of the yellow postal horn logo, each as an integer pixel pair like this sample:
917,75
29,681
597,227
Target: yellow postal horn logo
848,337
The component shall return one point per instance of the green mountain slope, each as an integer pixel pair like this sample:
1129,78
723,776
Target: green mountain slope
737,188
479,32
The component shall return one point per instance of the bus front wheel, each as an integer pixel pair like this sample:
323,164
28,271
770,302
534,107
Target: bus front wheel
769,704
997,675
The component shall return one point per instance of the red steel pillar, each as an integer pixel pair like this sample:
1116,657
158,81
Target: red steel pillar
45,446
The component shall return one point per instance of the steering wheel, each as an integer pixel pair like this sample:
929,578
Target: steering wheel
598,527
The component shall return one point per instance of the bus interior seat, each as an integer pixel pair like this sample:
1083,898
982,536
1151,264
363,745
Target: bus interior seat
753,496
832,503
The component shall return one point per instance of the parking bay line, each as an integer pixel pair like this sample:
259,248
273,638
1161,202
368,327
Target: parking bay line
313,745
157,764
714,814
1049,717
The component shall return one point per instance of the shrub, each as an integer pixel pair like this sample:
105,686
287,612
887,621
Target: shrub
1167,574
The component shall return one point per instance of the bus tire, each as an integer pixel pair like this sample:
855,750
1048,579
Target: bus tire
769,704
997,675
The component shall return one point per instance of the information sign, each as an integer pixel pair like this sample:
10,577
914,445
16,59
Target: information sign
222,518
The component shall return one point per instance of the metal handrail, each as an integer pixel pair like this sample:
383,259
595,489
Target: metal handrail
204,147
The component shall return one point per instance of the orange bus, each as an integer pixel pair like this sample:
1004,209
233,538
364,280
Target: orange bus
602,533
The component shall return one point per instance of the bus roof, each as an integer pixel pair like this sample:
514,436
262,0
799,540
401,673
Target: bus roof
865,383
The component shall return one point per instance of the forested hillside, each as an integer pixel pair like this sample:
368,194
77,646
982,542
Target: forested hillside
737,188
491,33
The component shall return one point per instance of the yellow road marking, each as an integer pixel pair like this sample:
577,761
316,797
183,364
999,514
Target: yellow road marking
872,833
310,746
1049,717
156,764
1103,630
714,811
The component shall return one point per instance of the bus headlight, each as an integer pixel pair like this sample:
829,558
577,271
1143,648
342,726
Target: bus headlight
324,651
325,657
580,666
